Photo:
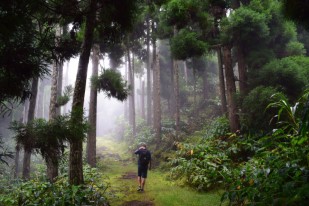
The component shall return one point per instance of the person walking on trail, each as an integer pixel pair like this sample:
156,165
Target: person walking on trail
144,163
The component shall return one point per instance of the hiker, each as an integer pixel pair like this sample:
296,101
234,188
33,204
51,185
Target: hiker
144,163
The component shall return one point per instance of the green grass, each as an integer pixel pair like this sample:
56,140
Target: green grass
158,189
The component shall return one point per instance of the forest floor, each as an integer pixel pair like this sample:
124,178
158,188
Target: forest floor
119,167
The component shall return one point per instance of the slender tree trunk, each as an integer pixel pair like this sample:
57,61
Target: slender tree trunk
17,152
126,102
156,91
221,82
91,140
54,91
131,97
31,112
53,153
39,103
176,92
185,71
143,100
157,101
194,89
172,98
242,70
76,144
231,90
66,83
149,114
59,85
205,84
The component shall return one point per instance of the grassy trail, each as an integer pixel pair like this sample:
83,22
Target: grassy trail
120,168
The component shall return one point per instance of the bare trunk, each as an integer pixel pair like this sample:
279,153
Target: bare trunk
185,71
59,85
194,89
176,92
131,97
53,95
76,144
149,114
143,100
205,85
231,90
157,101
126,115
66,83
52,169
221,83
242,71
91,140
31,112
17,152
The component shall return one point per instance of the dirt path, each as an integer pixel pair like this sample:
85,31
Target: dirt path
120,169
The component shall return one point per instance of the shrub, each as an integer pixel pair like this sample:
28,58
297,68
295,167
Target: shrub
254,117
38,192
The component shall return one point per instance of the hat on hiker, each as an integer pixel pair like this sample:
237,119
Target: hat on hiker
143,144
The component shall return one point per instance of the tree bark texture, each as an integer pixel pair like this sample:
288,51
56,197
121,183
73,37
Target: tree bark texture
205,85
53,92
157,100
76,143
176,95
31,112
17,152
132,94
176,92
53,153
231,90
59,85
242,70
92,133
221,82
149,114
143,100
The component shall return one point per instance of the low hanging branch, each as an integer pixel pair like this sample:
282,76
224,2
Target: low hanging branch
112,84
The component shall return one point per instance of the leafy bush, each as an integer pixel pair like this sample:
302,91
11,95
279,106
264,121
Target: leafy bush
278,173
254,116
203,166
287,75
38,192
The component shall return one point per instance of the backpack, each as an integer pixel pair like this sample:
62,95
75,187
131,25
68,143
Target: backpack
144,157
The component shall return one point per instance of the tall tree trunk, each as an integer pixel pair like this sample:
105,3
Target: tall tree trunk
194,89
171,100
221,82
157,101
149,114
143,100
156,90
76,176
53,153
205,84
17,152
176,92
66,83
242,70
91,140
231,90
126,102
39,104
185,71
59,85
31,112
131,97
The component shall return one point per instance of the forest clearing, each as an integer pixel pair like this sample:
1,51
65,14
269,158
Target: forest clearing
156,102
